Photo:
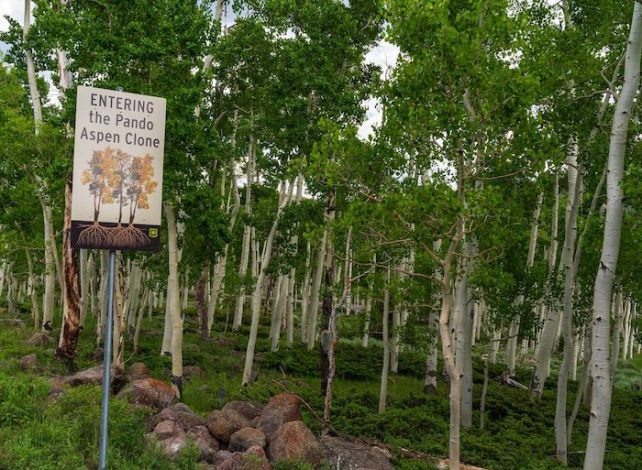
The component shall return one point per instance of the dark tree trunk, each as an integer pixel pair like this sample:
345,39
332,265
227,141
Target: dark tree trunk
71,313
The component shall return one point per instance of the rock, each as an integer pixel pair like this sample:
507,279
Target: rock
38,339
12,322
137,371
349,455
247,408
234,462
149,392
245,438
28,362
294,441
253,459
205,442
192,371
223,423
221,456
94,376
180,413
281,409
167,428
55,393
171,446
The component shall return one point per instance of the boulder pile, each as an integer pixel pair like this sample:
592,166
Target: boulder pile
243,435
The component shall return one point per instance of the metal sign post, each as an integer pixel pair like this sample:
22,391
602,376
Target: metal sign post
104,408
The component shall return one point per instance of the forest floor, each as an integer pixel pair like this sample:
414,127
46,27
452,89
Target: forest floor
39,433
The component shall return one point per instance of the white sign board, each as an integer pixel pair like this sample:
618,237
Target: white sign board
118,170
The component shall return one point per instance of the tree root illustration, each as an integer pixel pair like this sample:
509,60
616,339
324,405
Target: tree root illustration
128,236
94,234
123,237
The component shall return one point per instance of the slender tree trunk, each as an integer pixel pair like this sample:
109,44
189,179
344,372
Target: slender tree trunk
258,292
316,288
430,379
50,272
31,287
201,301
166,347
366,325
277,311
618,311
551,320
174,298
328,336
84,287
305,289
383,389
291,300
247,235
572,209
100,323
71,306
600,373
118,339
513,331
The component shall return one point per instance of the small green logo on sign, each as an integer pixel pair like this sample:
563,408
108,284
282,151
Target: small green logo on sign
153,233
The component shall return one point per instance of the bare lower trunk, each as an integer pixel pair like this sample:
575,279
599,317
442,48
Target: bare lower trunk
291,300
305,289
328,336
71,305
570,235
314,298
100,323
173,294
277,311
166,347
366,325
219,273
118,339
551,318
84,287
383,389
245,258
618,318
201,301
50,272
600,366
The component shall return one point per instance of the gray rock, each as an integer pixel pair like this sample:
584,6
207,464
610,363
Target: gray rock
29,362
354,455
245,438
223,423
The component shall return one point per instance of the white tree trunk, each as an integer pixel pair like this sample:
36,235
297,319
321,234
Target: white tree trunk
258,292
551,319
570,235
513,331
305,290
166,347
313,309
383,389
174,301
600,373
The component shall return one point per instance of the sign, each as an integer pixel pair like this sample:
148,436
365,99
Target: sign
118,170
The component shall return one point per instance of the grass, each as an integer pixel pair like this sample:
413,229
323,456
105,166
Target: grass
40,433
